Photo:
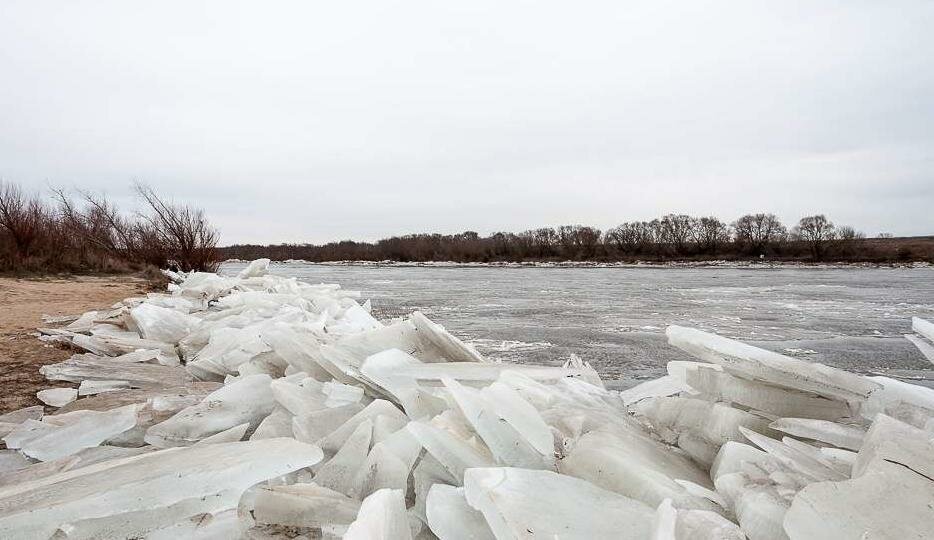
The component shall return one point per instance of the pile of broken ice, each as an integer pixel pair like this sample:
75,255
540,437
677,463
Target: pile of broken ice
257,406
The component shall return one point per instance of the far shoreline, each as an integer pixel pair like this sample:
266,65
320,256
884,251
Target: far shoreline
714,264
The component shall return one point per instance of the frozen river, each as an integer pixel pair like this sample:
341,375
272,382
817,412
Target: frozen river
615,317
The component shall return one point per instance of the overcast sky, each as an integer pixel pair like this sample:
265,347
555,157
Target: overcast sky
316,121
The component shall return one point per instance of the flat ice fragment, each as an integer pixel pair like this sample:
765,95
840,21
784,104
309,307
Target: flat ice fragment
524,503
759,509
117,345
507,444
317,425
208,477
297,399
796,460
426,474
205,526
454,454
162,324
903,401
716,385
89,388
11,460
333,441
91,429
451,518
141,375
340,472
57,397
97,454
21,415
636,466
704,525
233,434
381,469
715,422
392,371
840,435
226,350
731,457
304,505
923,327
277,424
25,432
37,471
83,323
888,501
896,442
759,364
341,394
923,345
665,521
148,355
247,400
661,387
450,348
382,516
521,415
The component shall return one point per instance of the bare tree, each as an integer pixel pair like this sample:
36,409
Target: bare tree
99,224
846,233
545,240
678,231
816,231
710,233
22,217
630,238
578,241
755,232
185,233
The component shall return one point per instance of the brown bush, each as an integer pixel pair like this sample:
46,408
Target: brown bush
89,234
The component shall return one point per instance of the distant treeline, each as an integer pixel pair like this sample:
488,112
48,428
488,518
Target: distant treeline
87,233
671,237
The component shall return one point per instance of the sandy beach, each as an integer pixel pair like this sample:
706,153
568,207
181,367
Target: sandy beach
24,301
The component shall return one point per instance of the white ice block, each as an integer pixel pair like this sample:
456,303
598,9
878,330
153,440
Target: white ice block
208,476
382,516
57,397
759,364
523,503
248,400
161,323
840,435
888,501
451,518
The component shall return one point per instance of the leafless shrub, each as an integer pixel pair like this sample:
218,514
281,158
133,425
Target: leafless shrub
182,232
89,233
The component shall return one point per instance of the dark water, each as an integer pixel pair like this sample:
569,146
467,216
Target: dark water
615,317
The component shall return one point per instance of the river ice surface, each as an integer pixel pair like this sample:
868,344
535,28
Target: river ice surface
615,318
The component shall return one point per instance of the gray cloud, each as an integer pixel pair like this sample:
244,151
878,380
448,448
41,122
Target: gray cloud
317,121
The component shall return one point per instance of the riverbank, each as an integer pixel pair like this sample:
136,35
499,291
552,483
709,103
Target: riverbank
24,302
